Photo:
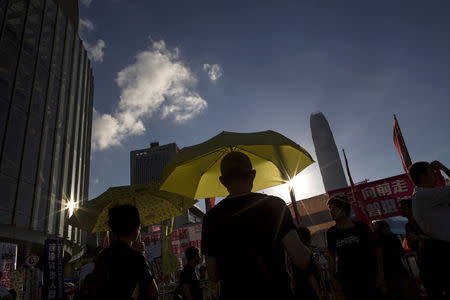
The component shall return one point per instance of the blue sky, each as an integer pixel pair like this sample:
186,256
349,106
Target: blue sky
182,71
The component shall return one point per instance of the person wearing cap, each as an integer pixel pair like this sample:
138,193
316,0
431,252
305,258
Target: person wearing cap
246,235
356,261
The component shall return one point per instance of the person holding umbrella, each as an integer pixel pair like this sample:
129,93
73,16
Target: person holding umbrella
250,232
121,272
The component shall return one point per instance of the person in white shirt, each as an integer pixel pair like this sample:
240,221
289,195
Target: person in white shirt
431,209
431,205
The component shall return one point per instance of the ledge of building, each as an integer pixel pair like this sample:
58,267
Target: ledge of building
25,235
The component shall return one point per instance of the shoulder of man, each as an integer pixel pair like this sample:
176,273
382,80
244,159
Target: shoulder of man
332,229
362,225
270,200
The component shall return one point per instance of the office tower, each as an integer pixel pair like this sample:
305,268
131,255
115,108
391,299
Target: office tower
327,153
147,165
46,94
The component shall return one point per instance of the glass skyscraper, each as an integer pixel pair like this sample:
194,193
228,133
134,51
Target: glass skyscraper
46,94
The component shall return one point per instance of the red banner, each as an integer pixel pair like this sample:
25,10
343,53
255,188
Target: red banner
399,143
381,198
182,238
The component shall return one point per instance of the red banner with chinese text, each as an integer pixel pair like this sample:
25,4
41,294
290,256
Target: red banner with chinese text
381,198
182,238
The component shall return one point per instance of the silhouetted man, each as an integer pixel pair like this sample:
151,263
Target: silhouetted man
431,209
431,205
188,278
356,260
245,237
122,272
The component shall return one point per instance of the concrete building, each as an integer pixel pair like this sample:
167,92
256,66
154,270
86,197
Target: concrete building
327,153
147,165
46,93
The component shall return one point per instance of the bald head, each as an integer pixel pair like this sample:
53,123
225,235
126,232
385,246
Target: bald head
236,168
235,163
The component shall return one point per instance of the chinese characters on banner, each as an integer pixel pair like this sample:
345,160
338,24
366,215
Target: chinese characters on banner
381,198
182,238
53,271
8,256
33,283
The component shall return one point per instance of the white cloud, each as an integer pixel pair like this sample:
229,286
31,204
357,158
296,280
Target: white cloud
86,24
96,51
87,3
157,83
214,71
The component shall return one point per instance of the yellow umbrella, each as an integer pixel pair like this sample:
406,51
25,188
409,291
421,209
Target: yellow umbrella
194,172
153,204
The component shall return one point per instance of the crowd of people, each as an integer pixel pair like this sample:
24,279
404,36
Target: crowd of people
253,249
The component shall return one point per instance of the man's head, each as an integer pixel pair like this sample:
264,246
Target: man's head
382,228
124,221
237,173
422,174
406,208
340,207
192,255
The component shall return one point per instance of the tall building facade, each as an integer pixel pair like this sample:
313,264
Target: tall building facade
327,153
46,94
147,165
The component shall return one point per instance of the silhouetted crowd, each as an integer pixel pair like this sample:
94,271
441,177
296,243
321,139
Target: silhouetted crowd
253,249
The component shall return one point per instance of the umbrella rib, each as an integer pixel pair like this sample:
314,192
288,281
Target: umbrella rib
210,166
257,155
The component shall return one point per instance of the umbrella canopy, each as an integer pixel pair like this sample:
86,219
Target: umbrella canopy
194,172
153,204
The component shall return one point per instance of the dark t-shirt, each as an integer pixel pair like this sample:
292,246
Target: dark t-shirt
119,270
244,235
392,257
353,248
189,277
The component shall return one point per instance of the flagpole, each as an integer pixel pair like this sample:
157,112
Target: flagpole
294,206
360,210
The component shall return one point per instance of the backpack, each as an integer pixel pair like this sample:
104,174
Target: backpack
87,288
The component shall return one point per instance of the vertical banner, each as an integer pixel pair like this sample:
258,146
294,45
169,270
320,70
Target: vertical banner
53,270
8,261
33,281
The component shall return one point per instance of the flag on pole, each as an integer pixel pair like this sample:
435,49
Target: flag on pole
399,143
106,241
358,205
209,203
